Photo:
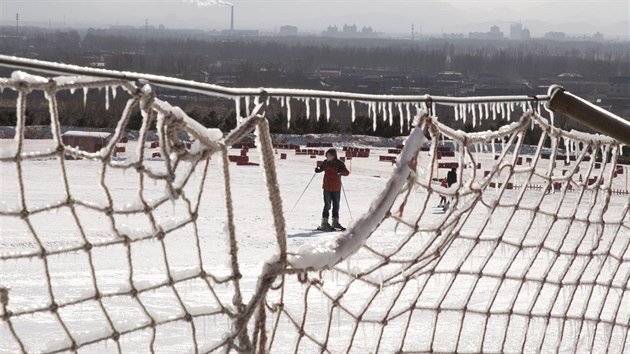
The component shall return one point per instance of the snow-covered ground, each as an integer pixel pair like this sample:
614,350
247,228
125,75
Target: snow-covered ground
57,230
71,277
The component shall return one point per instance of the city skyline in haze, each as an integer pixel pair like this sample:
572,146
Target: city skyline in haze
610,17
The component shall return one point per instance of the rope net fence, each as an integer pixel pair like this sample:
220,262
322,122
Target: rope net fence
529,257
531,254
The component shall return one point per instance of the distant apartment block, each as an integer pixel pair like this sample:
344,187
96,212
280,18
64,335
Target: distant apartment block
598,37
495,33
350,31
289,30
518,33
331,30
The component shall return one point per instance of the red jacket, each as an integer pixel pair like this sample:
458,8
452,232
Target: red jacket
333,170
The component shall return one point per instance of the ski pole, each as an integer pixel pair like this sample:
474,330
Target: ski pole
300,197
346,198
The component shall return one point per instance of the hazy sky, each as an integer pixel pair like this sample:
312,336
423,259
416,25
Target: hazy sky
576,16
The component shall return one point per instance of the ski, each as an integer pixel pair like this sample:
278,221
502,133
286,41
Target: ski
324,230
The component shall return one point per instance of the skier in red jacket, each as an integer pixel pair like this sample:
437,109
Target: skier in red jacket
333,169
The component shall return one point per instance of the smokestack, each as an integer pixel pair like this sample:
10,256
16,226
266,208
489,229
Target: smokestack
232,18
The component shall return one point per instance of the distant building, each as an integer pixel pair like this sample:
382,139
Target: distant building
450,76
495,33
518,33
350,31
598,37
289,30
347,29
332,30
556,36
325,73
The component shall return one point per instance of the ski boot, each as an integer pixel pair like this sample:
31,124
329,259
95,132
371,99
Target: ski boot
325,226
337,225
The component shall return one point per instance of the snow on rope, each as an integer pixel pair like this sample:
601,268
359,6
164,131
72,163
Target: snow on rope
530,252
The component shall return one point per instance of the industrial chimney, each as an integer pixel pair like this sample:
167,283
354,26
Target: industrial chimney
232,18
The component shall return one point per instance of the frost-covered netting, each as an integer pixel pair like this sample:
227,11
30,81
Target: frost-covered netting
90,262
531,255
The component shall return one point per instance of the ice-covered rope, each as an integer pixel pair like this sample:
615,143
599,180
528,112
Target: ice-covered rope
227,92
170,121
551,289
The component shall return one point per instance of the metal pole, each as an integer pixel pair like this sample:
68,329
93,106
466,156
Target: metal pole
309,183
588,114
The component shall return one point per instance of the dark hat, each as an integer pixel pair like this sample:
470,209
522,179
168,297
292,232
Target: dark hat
332,152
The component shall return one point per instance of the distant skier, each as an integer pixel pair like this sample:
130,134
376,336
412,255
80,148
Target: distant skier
442,196
333,169
451,179
451,176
